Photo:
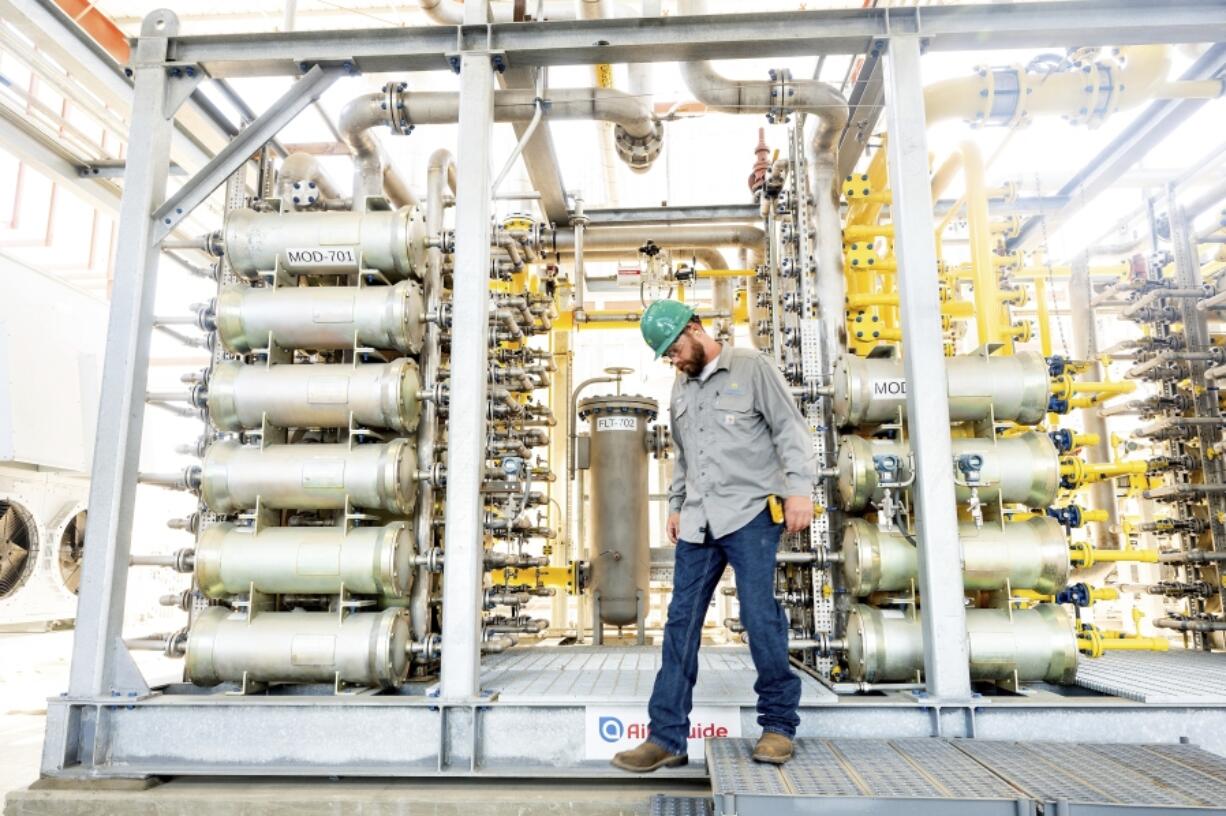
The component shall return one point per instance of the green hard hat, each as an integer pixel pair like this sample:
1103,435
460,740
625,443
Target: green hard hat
663,322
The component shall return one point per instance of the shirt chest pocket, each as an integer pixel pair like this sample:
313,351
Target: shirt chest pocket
734,411
677,416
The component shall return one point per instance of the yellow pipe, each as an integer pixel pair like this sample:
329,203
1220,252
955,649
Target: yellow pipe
1081,554
1065,387
986,289
561,577
725,273
952,308
866,232
1040,297
867,212
1093,643
1096,594
1137,76
1081,473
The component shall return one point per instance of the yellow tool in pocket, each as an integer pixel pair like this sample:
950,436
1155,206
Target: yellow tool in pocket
776,508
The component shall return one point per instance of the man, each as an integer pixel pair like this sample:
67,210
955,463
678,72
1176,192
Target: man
740,441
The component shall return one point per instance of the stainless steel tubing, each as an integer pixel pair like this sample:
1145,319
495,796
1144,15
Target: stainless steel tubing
378,395
391,241
1023,469
1036,643
1014,388
322,317
363,648
308,560
1031,554
310,477
620,554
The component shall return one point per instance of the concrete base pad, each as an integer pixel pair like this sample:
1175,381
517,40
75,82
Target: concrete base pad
375,797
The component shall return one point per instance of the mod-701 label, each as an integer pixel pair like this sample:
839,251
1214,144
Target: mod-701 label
323,257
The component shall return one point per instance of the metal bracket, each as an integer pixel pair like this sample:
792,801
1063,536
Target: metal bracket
184,81
498,60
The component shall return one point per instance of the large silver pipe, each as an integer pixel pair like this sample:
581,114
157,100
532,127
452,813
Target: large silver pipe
373,173
1036,644
391,241
300,179
1015,388
309,477
1022,469
1032,554
639,135
440,175
315,560
322,317
598,238
376,395
363,648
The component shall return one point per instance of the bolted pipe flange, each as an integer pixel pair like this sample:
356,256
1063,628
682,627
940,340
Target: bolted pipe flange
638,152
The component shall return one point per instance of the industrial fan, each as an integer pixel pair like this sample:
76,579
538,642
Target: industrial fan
18,543
72,552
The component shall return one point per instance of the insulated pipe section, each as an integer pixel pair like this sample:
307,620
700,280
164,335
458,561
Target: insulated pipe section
1022,469
302,183
309,560
362,649
1032,554
1013,388
598,238
620,555
326,243
639,137
322,317
380,395
1037,643
309,477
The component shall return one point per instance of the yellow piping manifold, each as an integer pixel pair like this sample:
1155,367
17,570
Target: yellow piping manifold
1080,473
1081,554
1094,642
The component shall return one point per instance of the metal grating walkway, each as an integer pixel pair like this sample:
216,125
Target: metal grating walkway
936,776
585,674
1175,678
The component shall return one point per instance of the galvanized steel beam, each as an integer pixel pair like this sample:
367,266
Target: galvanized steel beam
724,36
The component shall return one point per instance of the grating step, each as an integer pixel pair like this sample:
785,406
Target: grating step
920,775
1175,678
662,805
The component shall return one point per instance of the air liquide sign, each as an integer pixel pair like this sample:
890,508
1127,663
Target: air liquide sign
610,729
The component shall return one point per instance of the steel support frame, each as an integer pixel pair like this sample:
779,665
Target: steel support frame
416,736
942,612
107,695
464,530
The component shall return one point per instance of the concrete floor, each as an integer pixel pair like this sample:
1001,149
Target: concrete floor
273,797
34,667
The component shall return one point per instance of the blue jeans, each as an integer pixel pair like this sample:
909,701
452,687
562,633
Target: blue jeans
751,552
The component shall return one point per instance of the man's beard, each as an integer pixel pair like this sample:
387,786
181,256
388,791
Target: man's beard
694,366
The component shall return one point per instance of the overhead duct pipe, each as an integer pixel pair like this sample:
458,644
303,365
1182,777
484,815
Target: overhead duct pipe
639,136
829,108
373,174
1086,93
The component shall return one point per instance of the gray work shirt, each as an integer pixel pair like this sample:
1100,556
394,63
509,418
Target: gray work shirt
739,438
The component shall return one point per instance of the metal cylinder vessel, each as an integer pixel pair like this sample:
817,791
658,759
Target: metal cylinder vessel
362,648
307,560
620,538
378,395
320,243
1031,554
322,317
1037,643
1013,388
310,477
1022,469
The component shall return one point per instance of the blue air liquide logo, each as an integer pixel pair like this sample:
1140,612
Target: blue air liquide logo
611,729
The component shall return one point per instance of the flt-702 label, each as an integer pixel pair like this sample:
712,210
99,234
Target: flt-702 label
617,424
322,257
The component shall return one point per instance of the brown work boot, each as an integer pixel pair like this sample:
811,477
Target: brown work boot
773,748
647,757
